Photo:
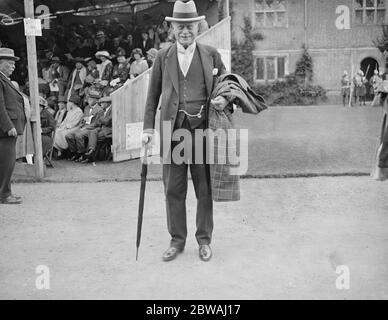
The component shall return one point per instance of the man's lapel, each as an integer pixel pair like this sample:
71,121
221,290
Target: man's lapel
172,66
9,83
207,64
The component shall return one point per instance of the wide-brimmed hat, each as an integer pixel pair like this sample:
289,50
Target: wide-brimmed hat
152,52
100,34
75,99
43,102
79,59
137,51
7,53
185,12
103,53
94,94
90,59
55,59
106,99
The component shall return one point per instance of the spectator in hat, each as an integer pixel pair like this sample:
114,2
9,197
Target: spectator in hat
101,42
92,73
117,45
59,75
77,79
70,123
146,43
151,56
52,104
153,36
105,68
139,65
77,139
128,45
47,124
102,131
61,112
120,72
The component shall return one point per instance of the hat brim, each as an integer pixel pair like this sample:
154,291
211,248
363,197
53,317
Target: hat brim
103,55
10,58
172,19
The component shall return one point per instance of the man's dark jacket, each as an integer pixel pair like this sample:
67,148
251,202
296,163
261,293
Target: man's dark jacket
11,108
164,83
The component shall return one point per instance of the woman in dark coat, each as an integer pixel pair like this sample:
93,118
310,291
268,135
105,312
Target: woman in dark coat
47,123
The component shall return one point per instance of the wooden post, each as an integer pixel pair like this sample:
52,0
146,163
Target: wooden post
227,8
34,93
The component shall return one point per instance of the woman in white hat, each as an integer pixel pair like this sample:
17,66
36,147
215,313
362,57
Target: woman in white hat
139,65
105,69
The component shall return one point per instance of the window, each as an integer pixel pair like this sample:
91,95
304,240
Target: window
270,68
369,11
270,13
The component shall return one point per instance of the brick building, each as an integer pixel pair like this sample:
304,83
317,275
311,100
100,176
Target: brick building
339,36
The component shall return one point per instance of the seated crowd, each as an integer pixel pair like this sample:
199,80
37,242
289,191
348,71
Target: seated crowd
78,68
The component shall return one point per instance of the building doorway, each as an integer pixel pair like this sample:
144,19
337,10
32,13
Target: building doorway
368,66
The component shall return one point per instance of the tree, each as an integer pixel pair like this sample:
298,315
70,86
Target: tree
382,42
242,57
304,67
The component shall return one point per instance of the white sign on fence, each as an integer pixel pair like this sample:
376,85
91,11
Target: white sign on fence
133,135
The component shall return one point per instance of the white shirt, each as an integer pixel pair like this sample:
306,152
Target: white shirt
106,111
184,54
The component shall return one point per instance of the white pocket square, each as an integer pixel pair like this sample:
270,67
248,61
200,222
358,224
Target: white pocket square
215,71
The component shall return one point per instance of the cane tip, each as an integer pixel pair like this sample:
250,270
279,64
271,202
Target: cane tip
137,253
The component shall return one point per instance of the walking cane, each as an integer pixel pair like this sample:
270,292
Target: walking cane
144,169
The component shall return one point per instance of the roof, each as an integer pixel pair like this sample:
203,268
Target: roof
12,11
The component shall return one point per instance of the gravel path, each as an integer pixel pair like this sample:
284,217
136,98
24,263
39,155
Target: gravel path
284,240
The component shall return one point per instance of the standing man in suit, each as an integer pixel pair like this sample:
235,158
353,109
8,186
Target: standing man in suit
184,73
146,43
12,123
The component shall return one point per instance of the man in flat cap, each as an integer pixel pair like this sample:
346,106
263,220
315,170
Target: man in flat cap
184,72
12,123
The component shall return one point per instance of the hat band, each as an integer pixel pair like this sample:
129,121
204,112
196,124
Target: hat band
185,15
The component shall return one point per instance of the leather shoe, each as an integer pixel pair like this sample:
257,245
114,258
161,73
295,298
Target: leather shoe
80,158
171,253
11,200
74,157
89,153
86,160
205,252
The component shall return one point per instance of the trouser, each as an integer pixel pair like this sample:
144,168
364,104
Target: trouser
7,164
175,187
77,140
47,143
97,136
383,156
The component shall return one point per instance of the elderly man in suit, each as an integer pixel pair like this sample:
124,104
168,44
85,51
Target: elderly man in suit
184,73
102,129
12,123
